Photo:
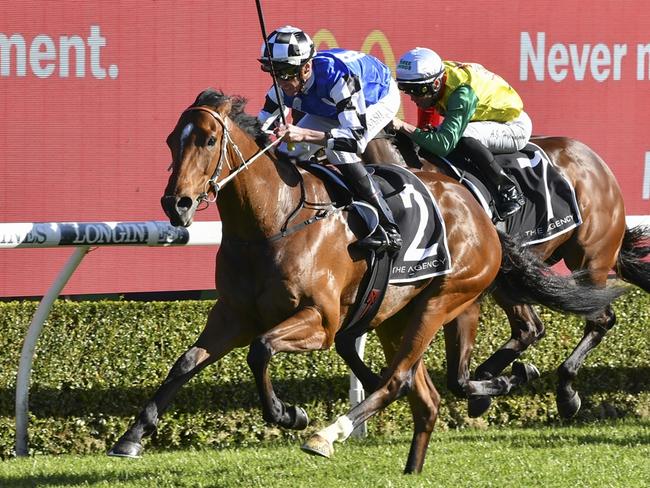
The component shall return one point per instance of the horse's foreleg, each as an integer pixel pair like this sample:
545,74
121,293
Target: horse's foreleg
568,400
423,398
300,333
500,385
211,345
399,380
346,348
526,329
187,365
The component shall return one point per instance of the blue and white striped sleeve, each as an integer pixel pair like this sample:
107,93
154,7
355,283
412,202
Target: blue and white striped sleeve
270,111
350,102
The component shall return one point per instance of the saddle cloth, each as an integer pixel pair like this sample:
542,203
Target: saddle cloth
550,207
424,252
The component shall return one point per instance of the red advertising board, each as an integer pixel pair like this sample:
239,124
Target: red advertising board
89,91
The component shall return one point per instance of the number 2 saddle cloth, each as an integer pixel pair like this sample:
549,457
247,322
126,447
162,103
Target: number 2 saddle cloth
424,252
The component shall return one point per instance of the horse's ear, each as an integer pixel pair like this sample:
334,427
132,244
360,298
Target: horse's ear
225,107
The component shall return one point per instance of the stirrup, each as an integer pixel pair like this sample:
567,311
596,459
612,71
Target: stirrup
509,201
506,209
382,240
394,239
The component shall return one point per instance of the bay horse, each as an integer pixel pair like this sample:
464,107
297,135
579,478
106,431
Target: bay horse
601,244
287,280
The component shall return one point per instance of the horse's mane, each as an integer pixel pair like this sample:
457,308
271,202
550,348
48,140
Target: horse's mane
248,123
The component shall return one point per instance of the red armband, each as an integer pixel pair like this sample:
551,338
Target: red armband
428,117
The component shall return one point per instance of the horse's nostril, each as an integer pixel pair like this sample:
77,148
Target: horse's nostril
184,203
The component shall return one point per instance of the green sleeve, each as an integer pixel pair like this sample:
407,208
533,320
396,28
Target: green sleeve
461,106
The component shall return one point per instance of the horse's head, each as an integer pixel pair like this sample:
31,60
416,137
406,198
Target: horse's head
198,148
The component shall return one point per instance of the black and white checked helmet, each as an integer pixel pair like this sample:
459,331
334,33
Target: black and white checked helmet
288,46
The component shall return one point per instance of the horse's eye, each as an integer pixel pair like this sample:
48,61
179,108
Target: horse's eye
212,141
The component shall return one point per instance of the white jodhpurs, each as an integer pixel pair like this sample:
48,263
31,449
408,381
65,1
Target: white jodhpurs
378,116
502,137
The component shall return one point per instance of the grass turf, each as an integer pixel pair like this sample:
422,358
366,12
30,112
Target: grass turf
604,454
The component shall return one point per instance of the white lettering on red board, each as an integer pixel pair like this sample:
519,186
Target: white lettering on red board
43,55
561,61
599,61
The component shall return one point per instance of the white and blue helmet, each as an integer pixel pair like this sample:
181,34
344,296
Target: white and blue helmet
420,71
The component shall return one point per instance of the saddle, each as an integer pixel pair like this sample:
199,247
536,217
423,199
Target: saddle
550,206
424,253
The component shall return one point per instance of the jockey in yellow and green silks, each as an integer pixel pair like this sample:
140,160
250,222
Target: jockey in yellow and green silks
480,109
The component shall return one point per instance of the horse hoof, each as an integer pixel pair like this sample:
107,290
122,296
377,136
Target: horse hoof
318,446
568,408
527,372
300,418
478,405
128,449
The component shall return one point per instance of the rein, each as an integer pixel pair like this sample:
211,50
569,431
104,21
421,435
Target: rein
326,209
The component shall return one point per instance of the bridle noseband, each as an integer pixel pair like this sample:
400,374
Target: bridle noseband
226,139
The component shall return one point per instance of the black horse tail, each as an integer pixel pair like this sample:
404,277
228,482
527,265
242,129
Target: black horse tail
525,278
632,264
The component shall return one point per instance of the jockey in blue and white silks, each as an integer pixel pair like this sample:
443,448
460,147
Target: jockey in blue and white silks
347,98
349,94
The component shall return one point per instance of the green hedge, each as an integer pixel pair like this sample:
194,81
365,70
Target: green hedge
98,362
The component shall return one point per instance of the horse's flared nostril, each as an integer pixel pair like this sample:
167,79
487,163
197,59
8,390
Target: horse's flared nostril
180,210
184,204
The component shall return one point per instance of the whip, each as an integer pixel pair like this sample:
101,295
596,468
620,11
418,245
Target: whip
260,15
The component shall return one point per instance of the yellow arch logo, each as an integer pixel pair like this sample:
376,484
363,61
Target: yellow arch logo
376,37
324,36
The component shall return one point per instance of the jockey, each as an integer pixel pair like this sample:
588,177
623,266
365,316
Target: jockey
347,98
478,106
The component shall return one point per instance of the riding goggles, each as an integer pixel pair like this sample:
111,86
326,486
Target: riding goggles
283,74
416,89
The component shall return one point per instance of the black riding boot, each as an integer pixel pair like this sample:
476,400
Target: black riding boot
365,188
508,197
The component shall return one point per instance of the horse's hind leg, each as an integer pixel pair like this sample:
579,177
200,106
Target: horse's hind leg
568,400
597,255
460,336
424,400
526,328
399,379
401,376
211,345
345,343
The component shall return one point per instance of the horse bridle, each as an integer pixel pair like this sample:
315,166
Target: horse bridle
212,183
